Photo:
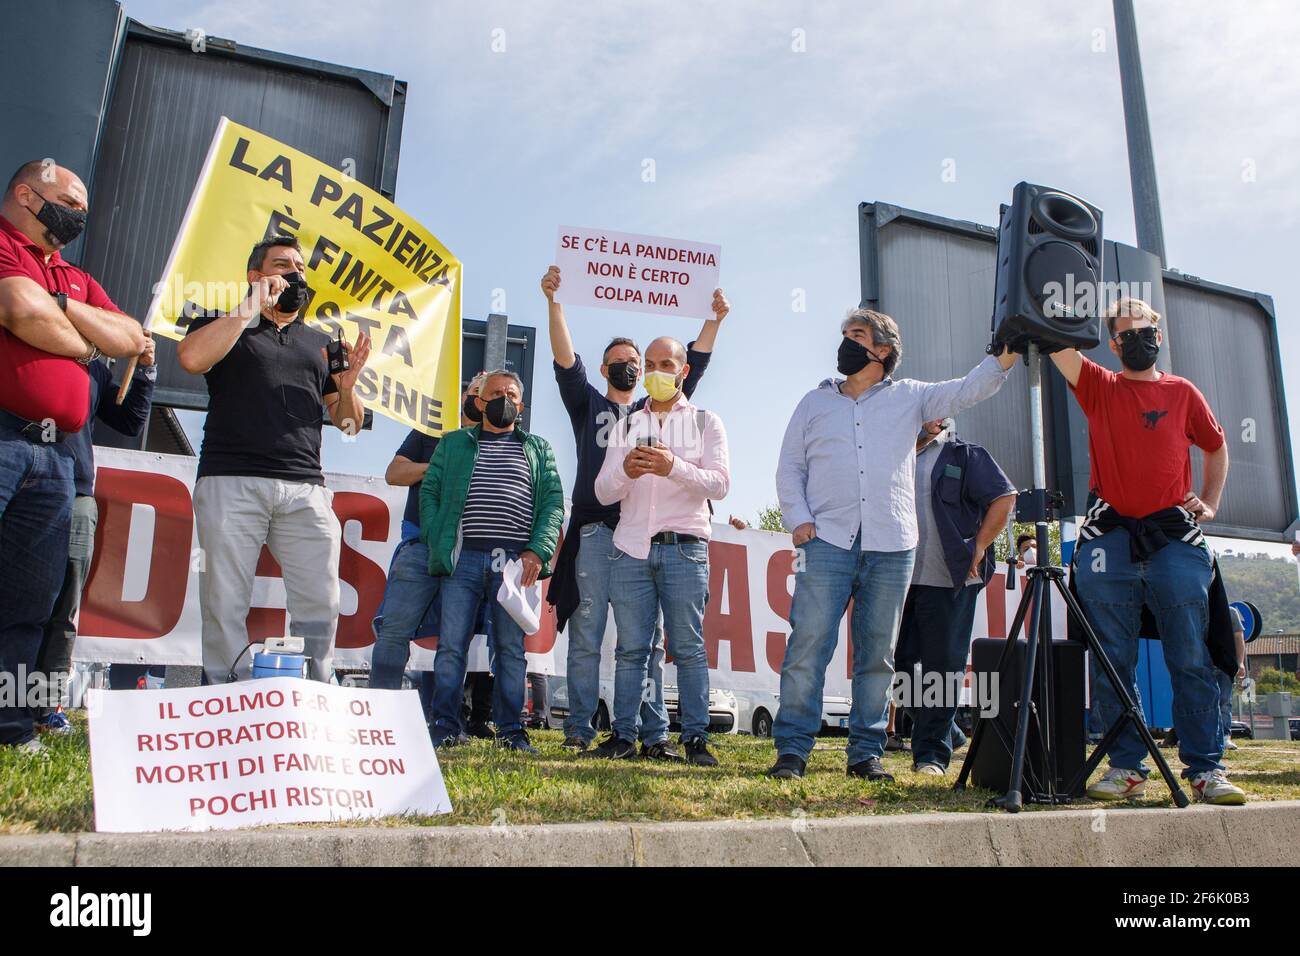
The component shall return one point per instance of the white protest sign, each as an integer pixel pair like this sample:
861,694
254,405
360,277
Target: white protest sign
278,750
619,270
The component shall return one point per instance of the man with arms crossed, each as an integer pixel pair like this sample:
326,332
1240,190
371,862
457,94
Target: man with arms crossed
54,321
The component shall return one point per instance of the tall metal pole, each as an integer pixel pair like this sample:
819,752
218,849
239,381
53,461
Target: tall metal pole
1137,126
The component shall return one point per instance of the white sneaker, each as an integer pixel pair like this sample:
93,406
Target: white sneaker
1213,787
1229,745
930,769
1118,784
34,747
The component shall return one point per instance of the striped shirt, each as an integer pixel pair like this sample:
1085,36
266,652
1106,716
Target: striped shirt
499,504
1147,534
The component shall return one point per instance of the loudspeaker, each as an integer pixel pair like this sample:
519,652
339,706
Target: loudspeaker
992,767
1049,271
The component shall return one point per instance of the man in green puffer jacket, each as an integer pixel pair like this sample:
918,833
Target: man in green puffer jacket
491,495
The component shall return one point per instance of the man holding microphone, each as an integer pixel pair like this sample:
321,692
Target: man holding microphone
259,477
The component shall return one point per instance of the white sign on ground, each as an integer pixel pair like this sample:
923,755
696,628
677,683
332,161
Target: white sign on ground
619,270
278,750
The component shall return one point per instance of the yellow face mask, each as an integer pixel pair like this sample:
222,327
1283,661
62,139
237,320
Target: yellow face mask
661,386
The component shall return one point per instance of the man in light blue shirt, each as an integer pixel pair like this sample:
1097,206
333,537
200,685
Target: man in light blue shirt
845,481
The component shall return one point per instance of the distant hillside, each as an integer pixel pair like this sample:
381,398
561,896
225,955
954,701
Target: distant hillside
1269,583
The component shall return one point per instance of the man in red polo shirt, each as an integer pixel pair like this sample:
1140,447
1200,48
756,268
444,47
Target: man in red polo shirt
54,320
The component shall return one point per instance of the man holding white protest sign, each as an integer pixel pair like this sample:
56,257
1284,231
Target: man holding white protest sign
580,588
259,479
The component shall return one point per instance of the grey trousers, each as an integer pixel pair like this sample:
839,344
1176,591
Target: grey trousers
235,517
55,657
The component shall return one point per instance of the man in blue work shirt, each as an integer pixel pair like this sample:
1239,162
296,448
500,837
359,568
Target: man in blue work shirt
845,482
54,660
963,501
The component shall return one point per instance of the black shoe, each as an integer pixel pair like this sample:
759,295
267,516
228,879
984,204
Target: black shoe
518,741
449,740
613,747
697,752
480,729
787,767
896,744
576,743
663,750
872,770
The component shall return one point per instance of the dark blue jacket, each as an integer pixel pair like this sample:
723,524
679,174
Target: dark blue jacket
128,418
964,482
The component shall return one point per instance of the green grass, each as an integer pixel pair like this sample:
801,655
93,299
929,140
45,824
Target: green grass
489,785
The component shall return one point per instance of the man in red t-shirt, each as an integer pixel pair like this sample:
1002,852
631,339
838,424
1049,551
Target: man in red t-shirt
54,320
1141,543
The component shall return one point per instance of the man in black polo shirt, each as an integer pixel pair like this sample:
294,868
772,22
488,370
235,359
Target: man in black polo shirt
580,588
259,479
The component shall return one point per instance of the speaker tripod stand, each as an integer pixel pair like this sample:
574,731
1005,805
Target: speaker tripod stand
1043,578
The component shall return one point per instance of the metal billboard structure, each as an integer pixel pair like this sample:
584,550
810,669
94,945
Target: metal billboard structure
935,276
168,92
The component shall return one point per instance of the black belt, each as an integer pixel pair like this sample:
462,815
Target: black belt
672,537
34,432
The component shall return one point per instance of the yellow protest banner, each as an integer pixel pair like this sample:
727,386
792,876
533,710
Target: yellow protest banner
371,268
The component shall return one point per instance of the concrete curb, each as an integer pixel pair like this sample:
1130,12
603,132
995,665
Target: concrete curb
1266,834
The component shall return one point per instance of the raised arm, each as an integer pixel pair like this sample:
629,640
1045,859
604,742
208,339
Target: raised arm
942,399
1069,362
561,341
708,336
207,345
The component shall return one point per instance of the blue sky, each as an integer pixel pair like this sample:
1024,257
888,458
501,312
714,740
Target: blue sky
768,123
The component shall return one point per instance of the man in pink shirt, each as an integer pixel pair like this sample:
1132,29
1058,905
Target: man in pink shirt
664,463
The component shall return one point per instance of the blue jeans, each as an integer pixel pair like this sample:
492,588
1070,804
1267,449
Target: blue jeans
1174,582
586,630
471,583
36,493
877,582
935,633
672,581
410,593
1225,705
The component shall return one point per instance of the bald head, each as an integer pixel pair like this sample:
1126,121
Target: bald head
31,186
666,347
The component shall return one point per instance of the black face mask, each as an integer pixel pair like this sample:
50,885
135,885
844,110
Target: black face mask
295,296
1138,351
64,223
471,410
622,375
853,358
501,412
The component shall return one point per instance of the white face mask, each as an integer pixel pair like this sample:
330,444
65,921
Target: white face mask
1031,555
